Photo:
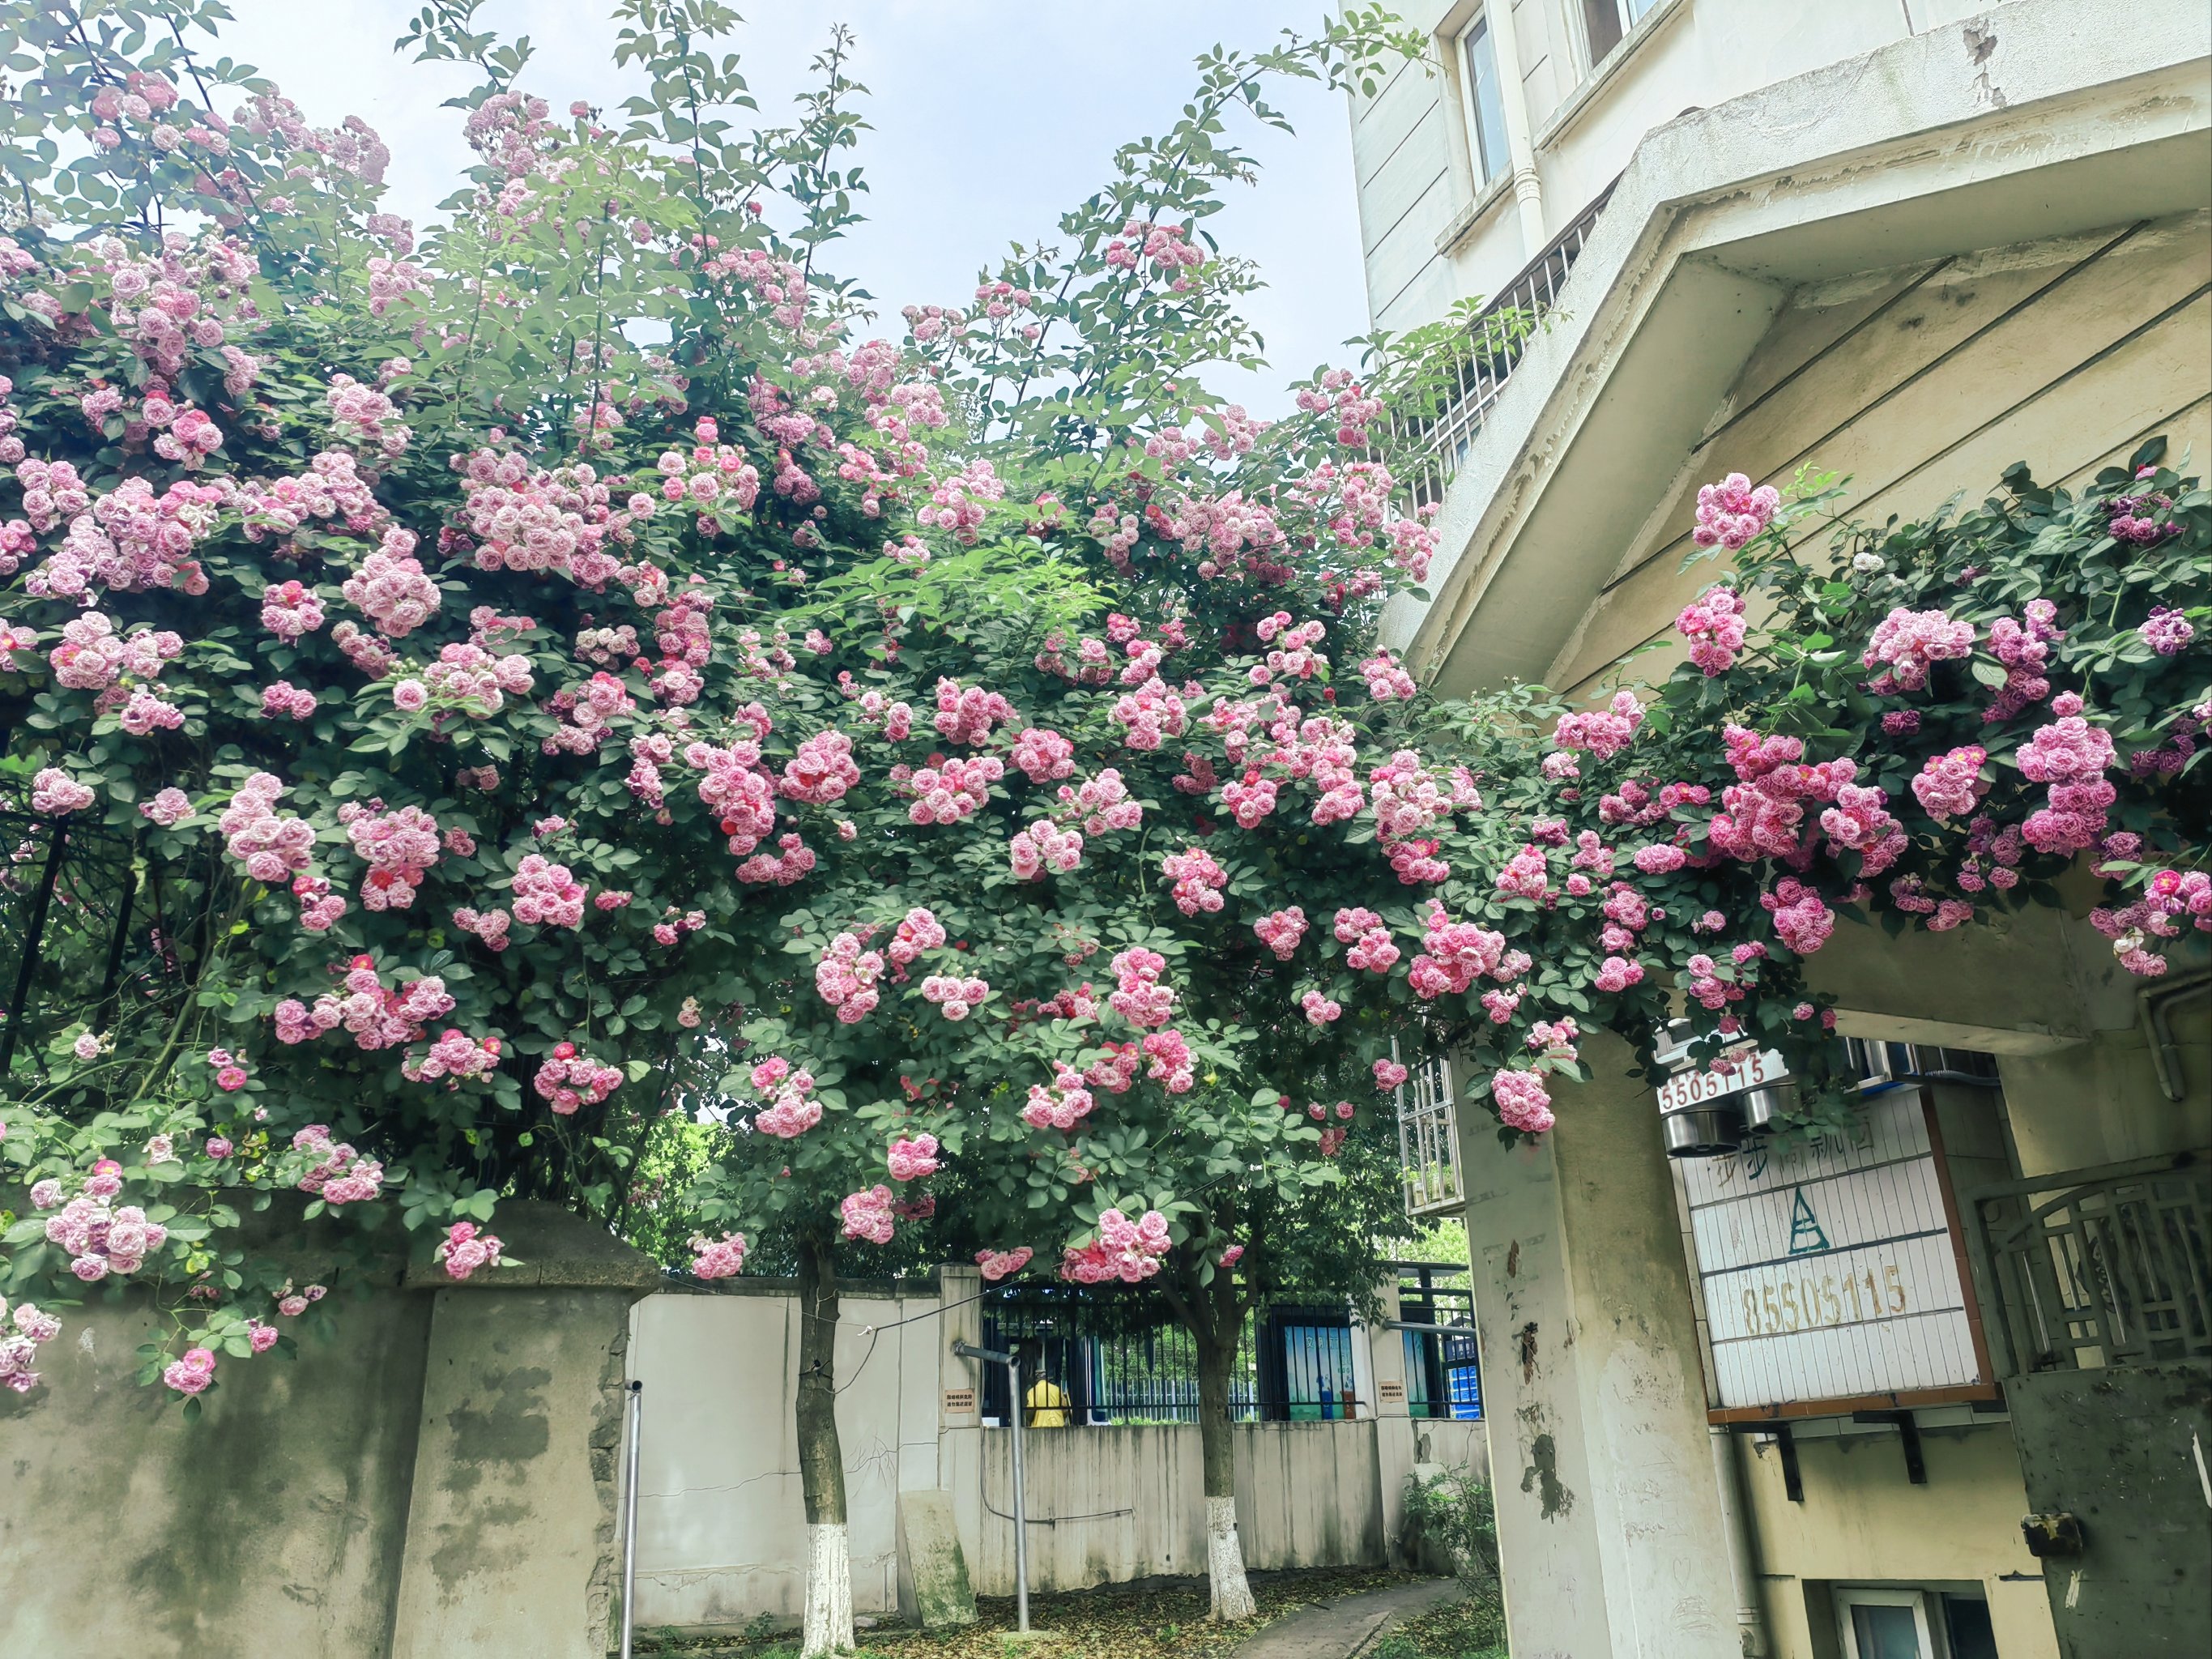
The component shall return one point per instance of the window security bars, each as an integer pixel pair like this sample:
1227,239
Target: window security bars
1443,1370
1485,357
1428,1140
2099,1267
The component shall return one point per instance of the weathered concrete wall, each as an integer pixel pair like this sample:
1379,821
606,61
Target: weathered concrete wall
437,1478
2123,1449
275,1524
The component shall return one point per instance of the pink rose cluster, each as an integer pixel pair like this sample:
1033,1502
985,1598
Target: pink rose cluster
570,1078
1603,732
1198,880
456,1057
1043,847
375,1015
1281,930
957,998
19,1352
53,792
1061,1104
1139,997
1127,1250
339,1174
1949,785
191,1375
914,1158
1000,1264
869,1215
466,1249
1907,644
101,1241
546,894
1714,625
1731,512
1455,954
1523,1103
791,1113
920,933
2071,756
846,978
399,848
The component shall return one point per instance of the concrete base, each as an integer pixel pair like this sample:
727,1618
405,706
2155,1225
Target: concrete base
933,1589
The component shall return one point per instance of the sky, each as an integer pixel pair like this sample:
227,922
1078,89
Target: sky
989,118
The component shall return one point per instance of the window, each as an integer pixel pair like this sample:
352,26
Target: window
1486,105
1605,22
1913,1624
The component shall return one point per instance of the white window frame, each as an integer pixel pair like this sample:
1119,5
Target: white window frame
1485,169
1933,1642
1629,13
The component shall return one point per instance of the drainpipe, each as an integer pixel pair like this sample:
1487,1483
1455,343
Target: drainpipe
1520,145
2152,1002
1750,1621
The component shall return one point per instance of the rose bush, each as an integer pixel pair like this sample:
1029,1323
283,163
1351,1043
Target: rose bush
590,721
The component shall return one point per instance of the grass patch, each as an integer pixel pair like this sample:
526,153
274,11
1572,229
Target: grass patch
1119,1622
1473,1628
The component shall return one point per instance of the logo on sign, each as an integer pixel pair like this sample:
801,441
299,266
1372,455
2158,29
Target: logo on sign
1805,1234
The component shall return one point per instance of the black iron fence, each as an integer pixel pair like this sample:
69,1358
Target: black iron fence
2100,1266
68,895
1111,1355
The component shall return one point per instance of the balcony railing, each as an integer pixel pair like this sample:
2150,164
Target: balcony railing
1491,348
2102,1266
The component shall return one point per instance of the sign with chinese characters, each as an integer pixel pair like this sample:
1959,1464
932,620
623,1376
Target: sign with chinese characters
1746,1068
1391,1392
960,1402
1829,1267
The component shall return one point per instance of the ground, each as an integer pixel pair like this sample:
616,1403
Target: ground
1149,1623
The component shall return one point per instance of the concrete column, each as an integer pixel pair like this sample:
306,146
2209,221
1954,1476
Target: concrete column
1395,1453
1609,1524
512,1542
960,1434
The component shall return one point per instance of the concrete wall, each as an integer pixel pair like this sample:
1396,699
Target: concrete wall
720,1536
437,1478
1430,233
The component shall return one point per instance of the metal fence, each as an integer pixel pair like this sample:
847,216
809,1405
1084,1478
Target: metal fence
2101,1266
1114,1356
1490,350
68,893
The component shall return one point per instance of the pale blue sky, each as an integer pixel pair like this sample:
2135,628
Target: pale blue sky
988,120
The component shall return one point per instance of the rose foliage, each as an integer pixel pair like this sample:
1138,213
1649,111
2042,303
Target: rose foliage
564,669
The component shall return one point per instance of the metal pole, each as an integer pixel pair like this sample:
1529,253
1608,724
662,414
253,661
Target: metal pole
1013,1364
1021,1513
630,1517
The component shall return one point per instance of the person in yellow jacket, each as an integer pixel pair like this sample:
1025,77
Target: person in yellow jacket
1048,1404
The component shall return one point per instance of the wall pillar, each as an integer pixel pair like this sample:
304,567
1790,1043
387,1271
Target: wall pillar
1395,1453
1609,1524
511,1529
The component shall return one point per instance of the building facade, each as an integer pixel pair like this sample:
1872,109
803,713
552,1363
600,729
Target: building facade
1912,244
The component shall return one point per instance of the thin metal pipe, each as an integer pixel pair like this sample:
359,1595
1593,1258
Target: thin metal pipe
630,1518
1021,1510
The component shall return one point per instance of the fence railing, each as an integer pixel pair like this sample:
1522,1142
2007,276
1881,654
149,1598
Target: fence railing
67,894
1439,442
2102,1266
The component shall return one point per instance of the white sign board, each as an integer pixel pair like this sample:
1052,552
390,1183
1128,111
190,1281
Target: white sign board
1744,1069
1828,1267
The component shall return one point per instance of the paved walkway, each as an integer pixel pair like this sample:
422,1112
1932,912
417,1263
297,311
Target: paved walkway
1343,1629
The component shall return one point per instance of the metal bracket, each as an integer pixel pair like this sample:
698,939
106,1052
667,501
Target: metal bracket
1916,1467
1785,1446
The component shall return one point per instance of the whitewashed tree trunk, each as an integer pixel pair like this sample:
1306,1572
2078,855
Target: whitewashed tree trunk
1224,1563
828,1628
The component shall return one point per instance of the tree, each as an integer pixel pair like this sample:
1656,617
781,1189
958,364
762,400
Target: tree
936,759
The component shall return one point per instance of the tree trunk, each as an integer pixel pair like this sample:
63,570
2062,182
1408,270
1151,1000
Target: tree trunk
828,1626
1224,1554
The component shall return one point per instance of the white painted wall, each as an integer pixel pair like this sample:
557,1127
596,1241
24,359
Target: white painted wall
721,1528
1410,152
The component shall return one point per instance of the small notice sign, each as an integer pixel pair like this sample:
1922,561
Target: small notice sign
1391,1392
960,1402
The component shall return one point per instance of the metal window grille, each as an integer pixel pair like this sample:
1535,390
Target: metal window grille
1428,1140
2102,1266
1443,1369
1439,441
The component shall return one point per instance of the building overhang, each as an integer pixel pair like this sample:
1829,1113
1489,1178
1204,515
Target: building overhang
2016,126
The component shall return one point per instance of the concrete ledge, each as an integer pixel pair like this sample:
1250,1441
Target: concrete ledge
554,1249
